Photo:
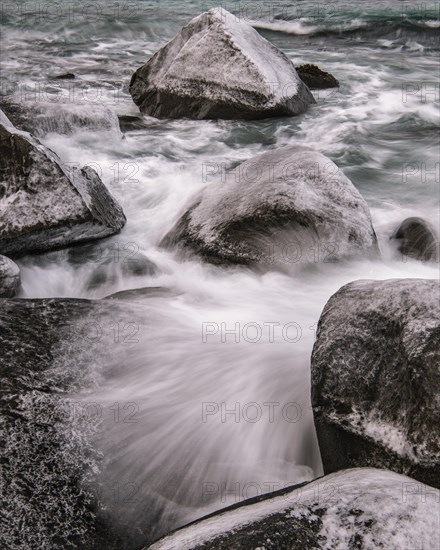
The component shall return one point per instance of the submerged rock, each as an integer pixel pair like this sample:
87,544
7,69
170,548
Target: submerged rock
64,76
417,239
45,204
62,117
138,294
358,508
128,123
9,277
375,378
219,67
110,271
315,78
282,207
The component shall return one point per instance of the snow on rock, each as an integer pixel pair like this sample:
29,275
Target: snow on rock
284,207
45,204
219,67
375,378
357,508
9,277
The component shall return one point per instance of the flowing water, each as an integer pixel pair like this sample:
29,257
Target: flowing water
180,372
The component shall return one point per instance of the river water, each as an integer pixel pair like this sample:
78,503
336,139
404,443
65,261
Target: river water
223,339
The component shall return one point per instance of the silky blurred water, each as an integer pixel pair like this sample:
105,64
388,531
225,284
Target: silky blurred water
381,129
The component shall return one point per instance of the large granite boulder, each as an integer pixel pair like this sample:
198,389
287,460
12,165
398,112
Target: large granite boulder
416,239
9,277
358,508
375,378
219,67
282,207
45,204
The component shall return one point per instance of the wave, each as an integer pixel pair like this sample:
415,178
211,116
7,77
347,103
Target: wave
425,31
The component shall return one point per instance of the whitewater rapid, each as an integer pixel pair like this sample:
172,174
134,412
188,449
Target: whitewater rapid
182,365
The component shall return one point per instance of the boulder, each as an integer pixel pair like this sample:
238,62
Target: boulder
282,207
49,459
9,277
45,204
358,508
375,378
59,116
315,78
417,239
219,67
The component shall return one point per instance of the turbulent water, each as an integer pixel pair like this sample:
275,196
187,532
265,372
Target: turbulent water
180,371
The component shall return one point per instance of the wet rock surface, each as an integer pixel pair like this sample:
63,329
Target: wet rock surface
46,204
9,277
218,67
287,206
416,239
358,508
375,378
315,78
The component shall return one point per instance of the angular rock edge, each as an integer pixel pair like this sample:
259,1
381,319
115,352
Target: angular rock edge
218,67
340,510
83,210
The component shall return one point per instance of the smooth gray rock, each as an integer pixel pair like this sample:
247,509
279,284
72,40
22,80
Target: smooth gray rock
352,509
61,117
283,207
45,204
417,239
375,378
219,67
9,277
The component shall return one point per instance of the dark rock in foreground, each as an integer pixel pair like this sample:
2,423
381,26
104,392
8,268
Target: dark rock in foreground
9,277
49,461
315,78
417,239
46,204
219,67
375,378
283,207
358,508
